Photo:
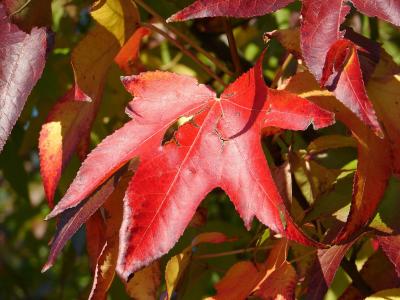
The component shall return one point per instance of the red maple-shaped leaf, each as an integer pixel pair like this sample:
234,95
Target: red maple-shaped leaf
388,10
228,8
320,24
342,73
219,147
326,52
22,60
320,30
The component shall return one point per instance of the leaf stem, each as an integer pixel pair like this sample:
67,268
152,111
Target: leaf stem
280,70
232,47
184,51
185,38
233,252
21,8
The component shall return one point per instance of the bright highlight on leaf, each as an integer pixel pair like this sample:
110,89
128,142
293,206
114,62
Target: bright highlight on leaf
72,114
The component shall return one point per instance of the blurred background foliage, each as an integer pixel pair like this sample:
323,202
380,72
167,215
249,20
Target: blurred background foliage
24,236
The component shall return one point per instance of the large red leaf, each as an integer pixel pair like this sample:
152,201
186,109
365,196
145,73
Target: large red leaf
228,8
22,60
388,10
219,147
319,30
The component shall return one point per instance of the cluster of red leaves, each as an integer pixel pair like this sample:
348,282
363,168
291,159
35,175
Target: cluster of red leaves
150,189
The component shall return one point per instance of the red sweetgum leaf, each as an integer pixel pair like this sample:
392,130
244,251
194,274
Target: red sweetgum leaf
327,54
228,8
324,269
154,111
388,10
22,59
219,147
342,74
374,166
319,30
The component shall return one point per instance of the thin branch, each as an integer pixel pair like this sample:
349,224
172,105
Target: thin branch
301,257
232,47
185,38
239,251
280,71
21,8
184,51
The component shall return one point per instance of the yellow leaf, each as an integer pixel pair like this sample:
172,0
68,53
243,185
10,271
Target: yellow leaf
174,270
144,284
116,20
